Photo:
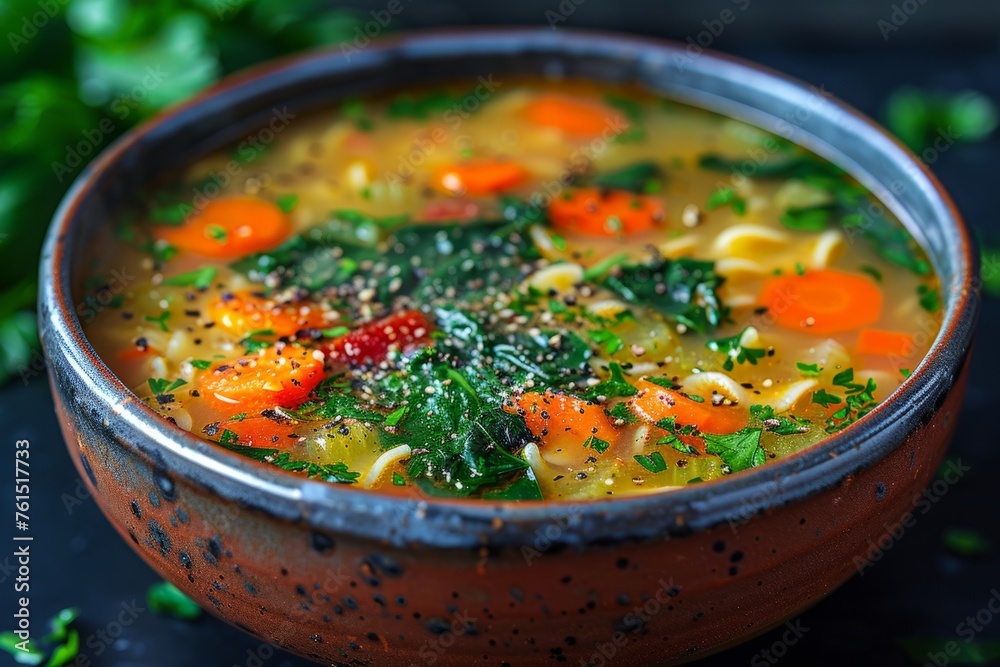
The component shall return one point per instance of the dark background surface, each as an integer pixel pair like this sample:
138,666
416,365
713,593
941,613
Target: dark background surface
918,589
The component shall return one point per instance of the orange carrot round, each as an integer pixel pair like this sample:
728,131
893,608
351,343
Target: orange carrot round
564,425
230,228
654,403
575,117
605,213
888,343
264,432
822,302
276,376
244,312
485,176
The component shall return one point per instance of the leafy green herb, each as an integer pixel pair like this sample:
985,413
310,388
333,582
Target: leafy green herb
965,542
174,215
726,195
635,177
777,424
217,233
905,372
166,599
595,443
421,106
810,370
160,320
930,298
808,219
735,352
396,416
873,272
398,480
825,398
632,110
335,473
199,278
611,341
160,386
61,645
957,652
256,340
615,386
201,364
600,268
335,332
738,451
355,110
652,462
919,117
683,290
859,401
620,412
287,202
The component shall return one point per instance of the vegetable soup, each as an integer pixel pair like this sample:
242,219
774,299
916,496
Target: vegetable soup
513,290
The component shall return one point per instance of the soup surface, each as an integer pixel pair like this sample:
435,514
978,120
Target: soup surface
511,290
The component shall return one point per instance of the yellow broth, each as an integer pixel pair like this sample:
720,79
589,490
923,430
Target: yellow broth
163,318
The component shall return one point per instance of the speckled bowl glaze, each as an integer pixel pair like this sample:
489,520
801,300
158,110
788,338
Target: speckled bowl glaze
348,577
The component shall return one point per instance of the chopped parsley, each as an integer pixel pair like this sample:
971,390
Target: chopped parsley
615,386
735,352
287,202
810,370
652,462
825,398
199,278
726,196
160,320
161,387
738,451
595,443
166,599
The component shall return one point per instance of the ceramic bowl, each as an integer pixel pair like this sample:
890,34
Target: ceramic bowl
349,577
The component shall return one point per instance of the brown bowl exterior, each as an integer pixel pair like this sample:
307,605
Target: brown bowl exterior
348,577
346,601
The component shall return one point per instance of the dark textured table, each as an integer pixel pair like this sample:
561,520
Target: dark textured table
917,589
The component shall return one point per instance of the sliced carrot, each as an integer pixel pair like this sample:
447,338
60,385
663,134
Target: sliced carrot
654,403
276,376
277,433
244,312
485,176
889,343
822,302
564,425
576,117
605,213
230,228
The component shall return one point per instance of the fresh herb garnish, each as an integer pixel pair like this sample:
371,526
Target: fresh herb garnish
60,646
738,451
199,278
636,177
287,202
335,473
611,341
160,386
930,298
166,599
595,443
683,290
722,197
807,219
825,398
810,370
615,386
777,424
160,320
735,351
652,462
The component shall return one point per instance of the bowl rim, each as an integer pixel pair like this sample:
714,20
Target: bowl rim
462,522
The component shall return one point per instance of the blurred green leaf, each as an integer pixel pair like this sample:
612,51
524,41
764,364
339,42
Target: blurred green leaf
919,118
